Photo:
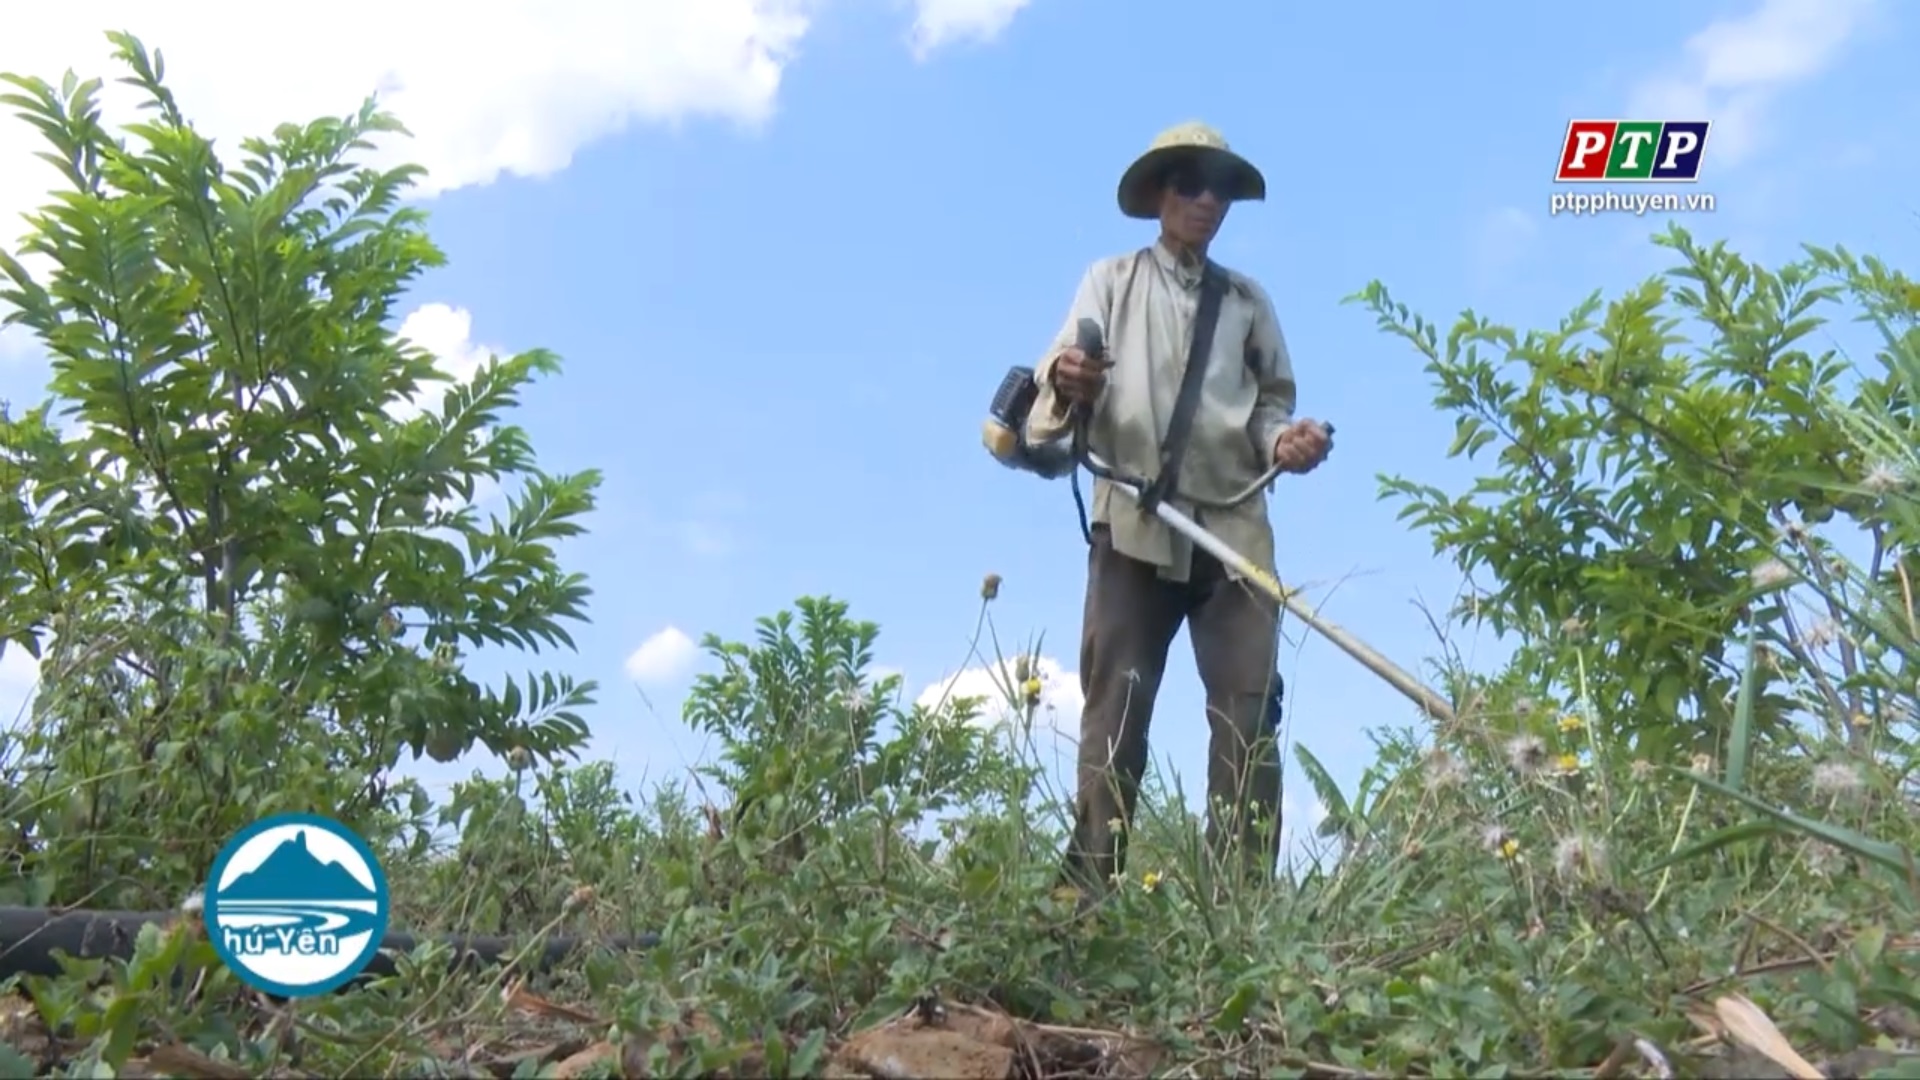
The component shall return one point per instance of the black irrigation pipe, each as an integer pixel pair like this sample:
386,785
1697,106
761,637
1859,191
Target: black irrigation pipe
30,938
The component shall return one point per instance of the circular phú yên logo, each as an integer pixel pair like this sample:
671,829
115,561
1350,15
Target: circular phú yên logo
296,905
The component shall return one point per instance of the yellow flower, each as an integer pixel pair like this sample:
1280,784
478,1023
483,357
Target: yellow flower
1032,689
1509,849
1150,880
1566,764
1571,723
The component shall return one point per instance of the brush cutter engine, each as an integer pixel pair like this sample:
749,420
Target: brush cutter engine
1005,431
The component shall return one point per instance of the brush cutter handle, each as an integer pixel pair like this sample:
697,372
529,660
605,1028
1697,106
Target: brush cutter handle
1092,342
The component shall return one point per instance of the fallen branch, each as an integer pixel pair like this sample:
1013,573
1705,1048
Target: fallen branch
1791,963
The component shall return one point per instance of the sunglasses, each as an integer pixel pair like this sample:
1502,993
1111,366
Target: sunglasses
1191,181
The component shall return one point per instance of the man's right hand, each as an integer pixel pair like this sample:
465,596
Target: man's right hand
1078,377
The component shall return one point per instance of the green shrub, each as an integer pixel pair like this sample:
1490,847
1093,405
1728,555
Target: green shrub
248,568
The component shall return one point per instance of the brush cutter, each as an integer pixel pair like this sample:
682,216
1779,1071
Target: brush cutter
1004,436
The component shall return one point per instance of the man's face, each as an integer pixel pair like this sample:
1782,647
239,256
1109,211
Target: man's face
1194,202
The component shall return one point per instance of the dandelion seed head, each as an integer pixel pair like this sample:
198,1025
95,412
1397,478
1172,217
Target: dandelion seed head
1526,754
1836,779
1443,770
1824,859
1580,856
1818,635
1884,476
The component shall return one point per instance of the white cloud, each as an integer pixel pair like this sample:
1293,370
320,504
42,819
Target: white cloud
1060,697
19,675
938,23
1734,68
1299,839
1316,816
447,333
517,92
663,657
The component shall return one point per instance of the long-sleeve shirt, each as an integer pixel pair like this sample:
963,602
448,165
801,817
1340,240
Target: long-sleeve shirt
1145,302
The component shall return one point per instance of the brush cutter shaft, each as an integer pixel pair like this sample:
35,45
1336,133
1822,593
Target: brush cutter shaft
1091,341
1432,703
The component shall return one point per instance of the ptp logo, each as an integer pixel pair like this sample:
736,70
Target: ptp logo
1632,151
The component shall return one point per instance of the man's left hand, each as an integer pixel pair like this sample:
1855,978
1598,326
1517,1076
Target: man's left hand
1303,446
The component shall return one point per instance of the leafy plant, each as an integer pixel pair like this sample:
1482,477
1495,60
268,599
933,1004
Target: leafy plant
241,534
1639,489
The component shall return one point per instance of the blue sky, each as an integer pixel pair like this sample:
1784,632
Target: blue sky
787,251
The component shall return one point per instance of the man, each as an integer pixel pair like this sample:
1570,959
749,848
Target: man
1143,579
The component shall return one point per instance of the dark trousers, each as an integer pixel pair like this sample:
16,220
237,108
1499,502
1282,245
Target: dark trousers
1132,615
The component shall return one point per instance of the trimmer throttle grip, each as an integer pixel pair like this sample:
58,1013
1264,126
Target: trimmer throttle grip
1091,339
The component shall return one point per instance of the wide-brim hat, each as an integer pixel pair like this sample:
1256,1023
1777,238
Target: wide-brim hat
1193,141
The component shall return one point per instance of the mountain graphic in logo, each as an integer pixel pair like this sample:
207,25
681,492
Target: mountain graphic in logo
293,872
